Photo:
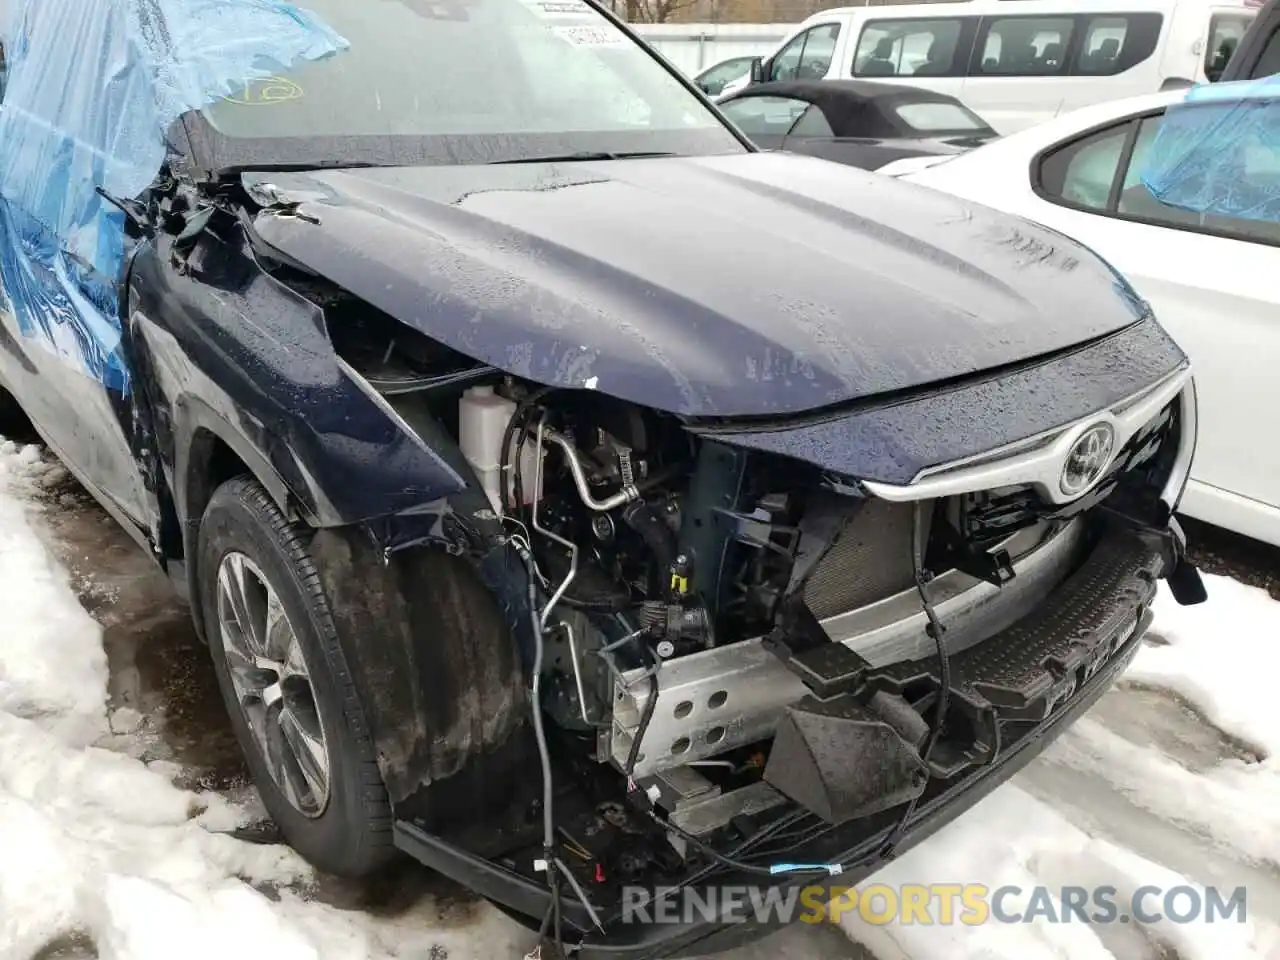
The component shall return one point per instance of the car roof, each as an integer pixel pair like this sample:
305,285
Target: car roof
859,108
1124,107
1085,118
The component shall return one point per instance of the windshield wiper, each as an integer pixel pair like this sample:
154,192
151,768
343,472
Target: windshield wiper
587,155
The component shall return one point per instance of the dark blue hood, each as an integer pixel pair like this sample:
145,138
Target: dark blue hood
746,285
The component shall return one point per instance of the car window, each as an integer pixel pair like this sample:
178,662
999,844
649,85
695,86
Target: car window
1260,161
812,123
1226,30
1082,173
1026,46
1104,40
1135,199
713,80
932,118
764,116
807,56
888,48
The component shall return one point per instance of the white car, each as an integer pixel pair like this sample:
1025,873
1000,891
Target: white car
1213,281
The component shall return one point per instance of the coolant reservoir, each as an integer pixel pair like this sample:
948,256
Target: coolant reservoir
482,420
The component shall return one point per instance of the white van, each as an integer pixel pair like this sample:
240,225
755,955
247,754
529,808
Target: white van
1017,62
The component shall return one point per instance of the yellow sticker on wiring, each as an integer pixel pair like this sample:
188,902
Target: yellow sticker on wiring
267,92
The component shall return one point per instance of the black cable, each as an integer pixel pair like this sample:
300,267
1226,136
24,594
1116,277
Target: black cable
760,836
650,705
545,926
555,906
523,408
517,474
714,854
936,630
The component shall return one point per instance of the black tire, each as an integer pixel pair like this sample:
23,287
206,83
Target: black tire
351,835
11,416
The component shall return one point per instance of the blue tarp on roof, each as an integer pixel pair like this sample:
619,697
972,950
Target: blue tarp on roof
1218,151
93,87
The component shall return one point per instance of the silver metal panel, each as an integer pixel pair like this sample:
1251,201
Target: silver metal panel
730,696
702,818
1181,469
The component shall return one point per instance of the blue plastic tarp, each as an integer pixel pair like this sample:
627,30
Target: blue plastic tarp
1218,151
93,87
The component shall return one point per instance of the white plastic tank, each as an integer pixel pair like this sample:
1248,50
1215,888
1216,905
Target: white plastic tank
482,421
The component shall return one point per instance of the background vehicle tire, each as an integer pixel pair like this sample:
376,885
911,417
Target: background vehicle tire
288,692
12,419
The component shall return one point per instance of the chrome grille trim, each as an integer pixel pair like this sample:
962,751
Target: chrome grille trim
1036,461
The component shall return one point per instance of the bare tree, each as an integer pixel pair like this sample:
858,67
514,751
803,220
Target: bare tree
654,11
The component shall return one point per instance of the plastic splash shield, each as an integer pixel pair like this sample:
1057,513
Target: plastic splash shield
1218,151
93,87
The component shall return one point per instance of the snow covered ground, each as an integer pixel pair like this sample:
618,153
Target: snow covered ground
113,819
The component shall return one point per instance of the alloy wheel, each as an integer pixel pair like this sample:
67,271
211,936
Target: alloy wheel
273,684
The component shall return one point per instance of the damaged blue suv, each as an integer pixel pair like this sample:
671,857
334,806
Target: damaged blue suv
572,496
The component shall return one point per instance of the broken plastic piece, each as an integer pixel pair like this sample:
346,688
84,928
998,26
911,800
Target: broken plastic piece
841,761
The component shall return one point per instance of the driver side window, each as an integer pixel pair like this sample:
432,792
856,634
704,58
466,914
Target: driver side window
807,56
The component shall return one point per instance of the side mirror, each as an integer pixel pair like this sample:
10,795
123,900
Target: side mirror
757,70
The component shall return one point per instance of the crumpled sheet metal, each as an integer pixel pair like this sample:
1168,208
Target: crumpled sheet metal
1213,150
93,87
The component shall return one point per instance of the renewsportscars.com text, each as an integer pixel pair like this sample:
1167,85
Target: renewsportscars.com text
934,903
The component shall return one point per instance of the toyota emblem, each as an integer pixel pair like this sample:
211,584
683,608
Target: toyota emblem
1088,459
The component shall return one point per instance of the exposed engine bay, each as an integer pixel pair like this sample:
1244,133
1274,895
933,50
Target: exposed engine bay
690,593
739,653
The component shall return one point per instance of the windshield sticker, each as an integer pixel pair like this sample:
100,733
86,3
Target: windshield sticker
562,10
267,91
591,36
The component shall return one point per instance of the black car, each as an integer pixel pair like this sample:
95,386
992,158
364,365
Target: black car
571,495
858,122
1258,53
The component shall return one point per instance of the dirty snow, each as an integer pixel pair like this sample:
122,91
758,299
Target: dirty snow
99,852
1103,807
1171,780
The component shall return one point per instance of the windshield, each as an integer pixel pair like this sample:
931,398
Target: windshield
459,80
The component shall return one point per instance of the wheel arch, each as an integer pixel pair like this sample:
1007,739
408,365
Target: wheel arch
208,453
435,713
